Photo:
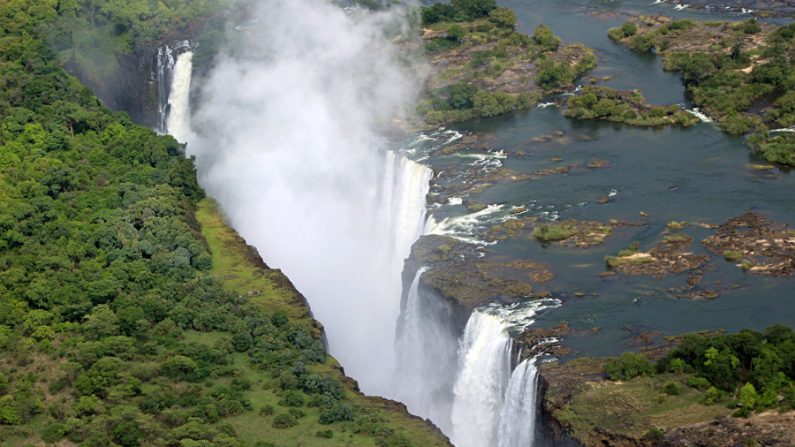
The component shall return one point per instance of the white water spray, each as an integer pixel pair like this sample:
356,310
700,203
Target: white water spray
289,145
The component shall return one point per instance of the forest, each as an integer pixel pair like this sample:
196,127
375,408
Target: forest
114,326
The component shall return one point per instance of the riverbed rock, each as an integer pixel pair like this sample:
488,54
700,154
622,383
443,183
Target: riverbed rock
471,276
671,255
760,246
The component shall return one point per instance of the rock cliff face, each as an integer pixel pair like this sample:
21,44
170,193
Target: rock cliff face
132,87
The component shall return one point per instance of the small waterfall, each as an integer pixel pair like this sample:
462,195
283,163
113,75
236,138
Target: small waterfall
178,119
484,371
174,70
518,416
165,66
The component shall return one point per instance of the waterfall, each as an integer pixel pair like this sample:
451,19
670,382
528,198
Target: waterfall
484,371
494,405
426,350
178,120
174,71
518,416
165,66
406,183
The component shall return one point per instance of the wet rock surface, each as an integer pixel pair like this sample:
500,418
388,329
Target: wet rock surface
671,255
759,245
471,276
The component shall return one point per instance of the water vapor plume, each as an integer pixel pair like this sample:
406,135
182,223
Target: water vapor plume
288,141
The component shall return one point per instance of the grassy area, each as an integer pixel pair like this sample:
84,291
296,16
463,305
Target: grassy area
635,407
240,270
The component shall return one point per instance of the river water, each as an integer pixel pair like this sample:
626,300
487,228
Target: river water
697,174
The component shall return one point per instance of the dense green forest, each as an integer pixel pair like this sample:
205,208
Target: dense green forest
119,324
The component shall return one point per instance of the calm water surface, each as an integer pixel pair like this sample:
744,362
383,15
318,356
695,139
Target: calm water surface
696,175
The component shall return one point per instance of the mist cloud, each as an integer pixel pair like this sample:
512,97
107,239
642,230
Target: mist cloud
289,144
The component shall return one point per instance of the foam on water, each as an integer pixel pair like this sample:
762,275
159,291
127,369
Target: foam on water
699,114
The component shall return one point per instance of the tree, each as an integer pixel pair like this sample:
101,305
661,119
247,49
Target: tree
545,39
473,9
748,399
438,12
627,366
629,28
455,33
503,18
102,322
720,368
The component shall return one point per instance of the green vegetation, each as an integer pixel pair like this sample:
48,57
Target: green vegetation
130,314
552,233
629,256
629,108
458,11
486,67
94,35
707,377
639,409
628,366
740,73
757,368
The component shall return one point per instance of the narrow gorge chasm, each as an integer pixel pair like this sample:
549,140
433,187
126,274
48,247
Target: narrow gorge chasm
289,138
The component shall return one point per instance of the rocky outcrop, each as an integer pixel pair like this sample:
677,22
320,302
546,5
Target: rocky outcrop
131,87
468,276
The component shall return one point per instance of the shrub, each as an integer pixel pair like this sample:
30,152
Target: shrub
711,396
748,400
327,434
629,28
545,39
292,399
503,17
179,367
339,412
266,410
283,421
698,383
551,233
671,389
455,33
627,366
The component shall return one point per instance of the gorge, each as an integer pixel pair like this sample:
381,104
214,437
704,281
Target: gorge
477,272
351,268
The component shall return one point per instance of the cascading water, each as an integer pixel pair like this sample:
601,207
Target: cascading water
518,415
178,120
174,72
165,66
494,405
484,371
426,350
